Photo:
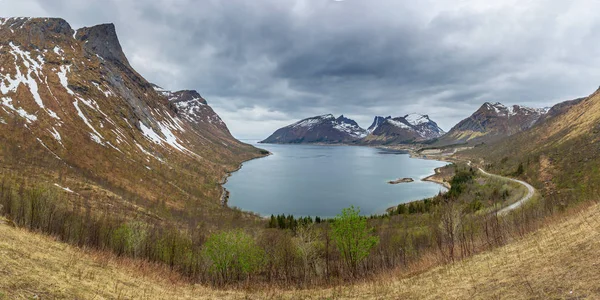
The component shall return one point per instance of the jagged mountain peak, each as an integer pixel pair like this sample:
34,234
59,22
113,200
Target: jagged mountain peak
409,128
103,40
342,119
378,120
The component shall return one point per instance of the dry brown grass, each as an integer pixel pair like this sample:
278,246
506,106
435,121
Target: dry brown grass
560,261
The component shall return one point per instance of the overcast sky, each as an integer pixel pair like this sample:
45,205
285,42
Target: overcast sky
263,64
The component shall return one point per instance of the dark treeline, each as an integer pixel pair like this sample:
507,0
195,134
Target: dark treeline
290,222
292,252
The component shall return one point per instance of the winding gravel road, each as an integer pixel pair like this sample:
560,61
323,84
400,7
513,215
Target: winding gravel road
530,192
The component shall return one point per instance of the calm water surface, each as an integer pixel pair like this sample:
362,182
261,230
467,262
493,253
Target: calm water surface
311,180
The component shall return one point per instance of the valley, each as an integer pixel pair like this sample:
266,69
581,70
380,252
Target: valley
115,187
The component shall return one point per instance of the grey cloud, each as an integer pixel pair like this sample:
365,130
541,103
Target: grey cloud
278,61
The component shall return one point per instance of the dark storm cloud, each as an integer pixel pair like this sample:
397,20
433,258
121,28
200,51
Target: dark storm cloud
263,64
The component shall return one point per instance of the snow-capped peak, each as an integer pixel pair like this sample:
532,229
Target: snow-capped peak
416,119
341,124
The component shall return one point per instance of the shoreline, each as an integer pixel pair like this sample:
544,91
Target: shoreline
432,178
224,198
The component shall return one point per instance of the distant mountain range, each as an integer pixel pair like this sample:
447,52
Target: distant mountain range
491,122
328,129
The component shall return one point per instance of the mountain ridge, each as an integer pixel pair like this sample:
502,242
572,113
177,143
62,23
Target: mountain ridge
491,122
328,129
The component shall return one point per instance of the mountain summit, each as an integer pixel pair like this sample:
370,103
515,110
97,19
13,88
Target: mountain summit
319,129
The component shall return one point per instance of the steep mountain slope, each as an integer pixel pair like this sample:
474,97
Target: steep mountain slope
492,122
91,123
407,129
559,155
319,129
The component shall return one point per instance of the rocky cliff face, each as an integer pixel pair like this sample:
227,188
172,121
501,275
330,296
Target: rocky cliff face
408,129
319,129
103,41
74,101
492,122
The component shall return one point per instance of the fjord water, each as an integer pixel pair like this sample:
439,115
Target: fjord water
315,180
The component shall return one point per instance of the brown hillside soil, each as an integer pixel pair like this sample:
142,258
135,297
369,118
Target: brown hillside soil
442,176
560,261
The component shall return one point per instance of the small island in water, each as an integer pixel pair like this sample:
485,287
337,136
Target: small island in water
400,180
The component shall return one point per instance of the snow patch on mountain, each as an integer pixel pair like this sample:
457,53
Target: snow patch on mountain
169,138
416,119
7,102
351,129
96,136
311,122
398,124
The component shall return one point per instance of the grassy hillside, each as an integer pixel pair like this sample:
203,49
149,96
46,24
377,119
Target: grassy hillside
560,156
559,261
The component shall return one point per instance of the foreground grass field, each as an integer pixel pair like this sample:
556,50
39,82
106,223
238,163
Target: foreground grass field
562,260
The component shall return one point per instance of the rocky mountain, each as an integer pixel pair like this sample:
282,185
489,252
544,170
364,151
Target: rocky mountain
376,122
407,129
94,126
492,122
319,129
